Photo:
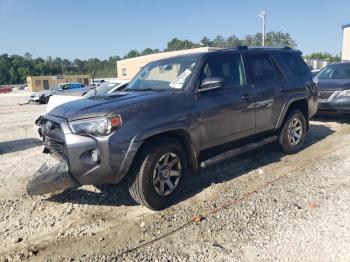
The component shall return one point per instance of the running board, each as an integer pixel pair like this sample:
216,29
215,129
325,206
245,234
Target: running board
237,151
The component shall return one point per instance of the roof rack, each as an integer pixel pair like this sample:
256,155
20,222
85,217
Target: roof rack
244,47
241,47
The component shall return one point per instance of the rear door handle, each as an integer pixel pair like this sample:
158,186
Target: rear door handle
245,97
282,90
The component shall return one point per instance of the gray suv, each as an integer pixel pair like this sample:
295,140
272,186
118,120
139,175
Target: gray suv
179,114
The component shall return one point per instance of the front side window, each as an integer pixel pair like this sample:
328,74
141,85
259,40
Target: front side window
261,68
171,73
338,71
65,87
229,67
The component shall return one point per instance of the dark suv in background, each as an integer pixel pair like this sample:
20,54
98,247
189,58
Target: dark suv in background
177,114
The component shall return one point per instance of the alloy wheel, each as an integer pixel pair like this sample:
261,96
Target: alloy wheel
167,173
295,131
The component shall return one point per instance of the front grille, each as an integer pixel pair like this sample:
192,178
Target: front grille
57,149
325,94
54,138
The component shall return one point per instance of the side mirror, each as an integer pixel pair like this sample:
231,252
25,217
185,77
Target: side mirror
211,83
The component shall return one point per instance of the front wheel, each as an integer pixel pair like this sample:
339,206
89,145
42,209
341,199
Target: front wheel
156,177
293,132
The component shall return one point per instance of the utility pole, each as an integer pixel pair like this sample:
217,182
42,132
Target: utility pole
263,14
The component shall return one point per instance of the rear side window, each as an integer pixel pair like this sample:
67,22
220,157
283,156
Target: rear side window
295,63
262,68
76,86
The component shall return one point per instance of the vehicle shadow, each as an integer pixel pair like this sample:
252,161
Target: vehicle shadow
106,195
243,164
332,117
117,195
18,145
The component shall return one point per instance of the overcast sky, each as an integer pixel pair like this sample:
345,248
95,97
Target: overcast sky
101,28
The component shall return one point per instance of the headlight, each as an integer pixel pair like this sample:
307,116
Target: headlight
344,93
101,126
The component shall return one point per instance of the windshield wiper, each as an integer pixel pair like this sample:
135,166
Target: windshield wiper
144,89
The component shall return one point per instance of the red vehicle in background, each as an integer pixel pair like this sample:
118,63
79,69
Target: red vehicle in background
5,89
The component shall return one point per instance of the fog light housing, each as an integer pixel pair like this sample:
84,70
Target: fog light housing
95,156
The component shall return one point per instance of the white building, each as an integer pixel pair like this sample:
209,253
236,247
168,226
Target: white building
316,64
346,43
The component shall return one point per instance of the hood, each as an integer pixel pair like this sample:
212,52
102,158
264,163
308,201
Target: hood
57,100
102,105
43,92
333,84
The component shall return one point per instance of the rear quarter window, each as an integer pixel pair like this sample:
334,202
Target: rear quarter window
295,62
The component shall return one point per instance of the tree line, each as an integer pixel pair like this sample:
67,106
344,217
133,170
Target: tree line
15,68
324,56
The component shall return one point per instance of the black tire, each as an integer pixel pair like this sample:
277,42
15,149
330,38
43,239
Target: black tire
141,177
47,100
285,140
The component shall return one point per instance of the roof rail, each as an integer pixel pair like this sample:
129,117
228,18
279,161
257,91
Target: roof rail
244,47
241,47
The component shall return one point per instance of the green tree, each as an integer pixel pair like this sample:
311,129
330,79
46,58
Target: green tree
79,64
279,39
206,41
232,41
132,53
218,41
177,44
147,51
15,76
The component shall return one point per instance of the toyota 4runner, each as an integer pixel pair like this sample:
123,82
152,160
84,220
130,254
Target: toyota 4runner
177,114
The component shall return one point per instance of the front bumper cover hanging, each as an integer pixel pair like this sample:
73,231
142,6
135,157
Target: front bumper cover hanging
50,179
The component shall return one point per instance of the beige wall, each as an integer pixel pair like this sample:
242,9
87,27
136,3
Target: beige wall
128,68
346,43
36,83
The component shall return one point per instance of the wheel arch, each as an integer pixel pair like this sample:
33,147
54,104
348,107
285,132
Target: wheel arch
300,104
183,137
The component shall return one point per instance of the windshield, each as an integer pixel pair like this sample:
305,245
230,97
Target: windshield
55,87
171,73
101,90
338,71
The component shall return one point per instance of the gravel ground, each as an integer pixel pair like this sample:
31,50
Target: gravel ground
303,216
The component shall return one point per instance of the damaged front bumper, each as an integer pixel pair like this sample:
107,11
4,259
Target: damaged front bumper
50,179
78,162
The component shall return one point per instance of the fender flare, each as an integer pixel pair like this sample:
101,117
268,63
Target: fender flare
285,109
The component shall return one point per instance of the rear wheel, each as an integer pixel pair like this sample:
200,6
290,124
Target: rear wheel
293,132
158,172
